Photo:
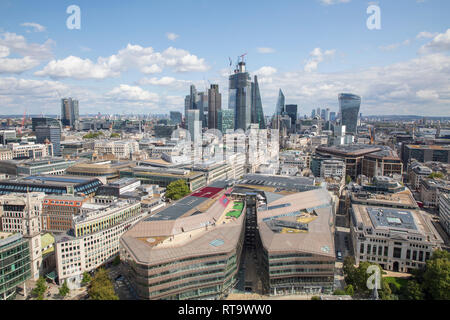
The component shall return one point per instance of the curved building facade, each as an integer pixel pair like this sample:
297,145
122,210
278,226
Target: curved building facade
349,105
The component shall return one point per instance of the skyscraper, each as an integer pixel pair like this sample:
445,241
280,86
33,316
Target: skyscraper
69,112
176,117
349,105
214,105
194,124
332,116
240,97
280,104
52,134
257,110
225,120
291,111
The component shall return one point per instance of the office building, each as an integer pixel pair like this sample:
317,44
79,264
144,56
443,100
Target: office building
240,96
425,153
349,105
176,117
280,107
444,211
36,122
332,116
6,135
52,134
15,264
257,109
120,149
291,111
94,238
58,212
214,106
225,120
51,166
194,125
31,150
51,185
69,112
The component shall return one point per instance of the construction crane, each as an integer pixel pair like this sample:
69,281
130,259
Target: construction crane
242,57
23,121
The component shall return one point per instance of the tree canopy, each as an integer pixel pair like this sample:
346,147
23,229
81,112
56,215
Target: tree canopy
39,290
101,287
177,190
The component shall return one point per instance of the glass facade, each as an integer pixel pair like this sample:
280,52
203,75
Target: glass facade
15,265
240,97
280,104
349,105
225,119
257,110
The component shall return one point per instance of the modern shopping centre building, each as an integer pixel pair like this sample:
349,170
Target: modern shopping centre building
193,249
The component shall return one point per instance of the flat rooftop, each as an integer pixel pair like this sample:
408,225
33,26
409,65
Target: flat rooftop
391,218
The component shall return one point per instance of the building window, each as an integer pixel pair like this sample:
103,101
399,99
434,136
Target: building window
397,252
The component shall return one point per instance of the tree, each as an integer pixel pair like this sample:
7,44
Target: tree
86,278
64,290
348,179
101,287
436,278
413,291
339,292
115,135
177,190
436,175
315,298
116,261
40,288
349,290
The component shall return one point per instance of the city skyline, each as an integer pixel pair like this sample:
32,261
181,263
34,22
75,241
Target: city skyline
144,66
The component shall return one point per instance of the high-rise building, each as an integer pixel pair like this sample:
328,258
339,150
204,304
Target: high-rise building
214,105
35,122
225,120
52,134
280,109
257,110
332,116
240,97
291,111
176,117
349,105
313,113
194,124
69,112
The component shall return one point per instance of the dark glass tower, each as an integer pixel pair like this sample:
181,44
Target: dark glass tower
349,105
291,111
214,105
240,97
53,134
257,110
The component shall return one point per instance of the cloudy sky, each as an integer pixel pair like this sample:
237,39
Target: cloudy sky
141,56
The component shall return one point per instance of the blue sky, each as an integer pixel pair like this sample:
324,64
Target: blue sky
123,59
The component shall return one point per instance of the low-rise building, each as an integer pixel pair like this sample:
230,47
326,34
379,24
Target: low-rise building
30,150
444,211
58,212
430,189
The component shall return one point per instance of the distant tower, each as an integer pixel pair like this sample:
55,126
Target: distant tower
214,105
349,105
239,100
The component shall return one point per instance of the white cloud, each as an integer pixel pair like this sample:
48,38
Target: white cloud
265,71
164,81
17,65
4,51
18,44
394,46
126,92
146,60
316,57
427,94
426,35
265,50
172,36
35,26
440,43
77,68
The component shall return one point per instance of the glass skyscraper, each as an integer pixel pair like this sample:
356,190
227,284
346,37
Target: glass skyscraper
240,97
69,112
257,110
52,134
225,120
280,104
349,105
214,105
291,111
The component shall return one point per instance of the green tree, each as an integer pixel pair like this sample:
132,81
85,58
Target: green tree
86,278
436,175
64,290
339,292
348,179
412,291
101,287
349,290
177,190
115,135
40,288
116,261
436,278
315,298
